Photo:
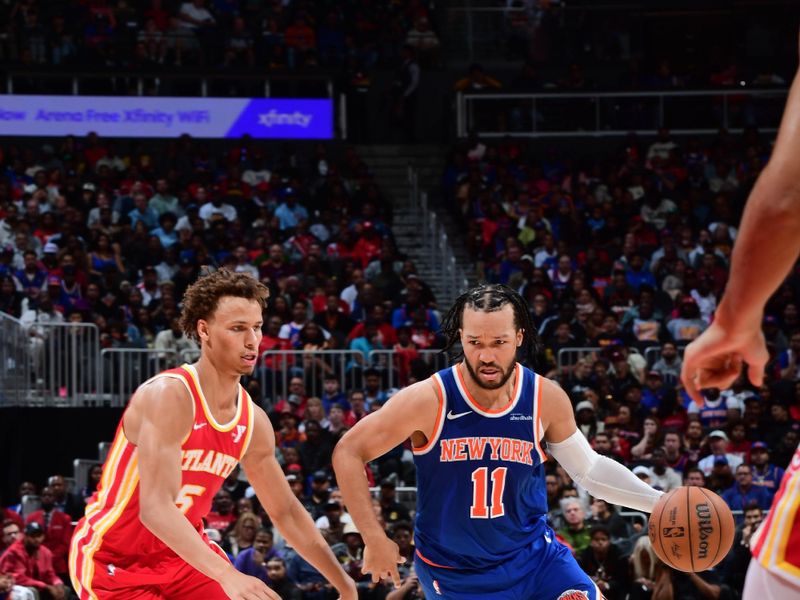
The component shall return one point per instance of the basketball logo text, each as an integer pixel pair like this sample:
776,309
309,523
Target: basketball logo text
704,522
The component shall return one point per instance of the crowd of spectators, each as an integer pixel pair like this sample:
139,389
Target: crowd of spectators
242,34
622,261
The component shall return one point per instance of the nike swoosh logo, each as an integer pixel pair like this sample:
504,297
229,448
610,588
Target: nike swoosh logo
451,415
199,425
547,538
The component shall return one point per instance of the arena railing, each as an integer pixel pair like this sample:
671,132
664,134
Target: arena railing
64,363
568,357
653,354
15,362
395,366
441,258
278,367
124,369
600,114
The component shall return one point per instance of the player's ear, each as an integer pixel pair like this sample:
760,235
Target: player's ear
202,330
520,337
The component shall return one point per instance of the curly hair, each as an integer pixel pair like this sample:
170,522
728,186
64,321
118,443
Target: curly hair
488,297
202,297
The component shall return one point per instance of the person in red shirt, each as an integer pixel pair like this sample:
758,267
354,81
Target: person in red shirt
57,526
31,564
221,517
10,534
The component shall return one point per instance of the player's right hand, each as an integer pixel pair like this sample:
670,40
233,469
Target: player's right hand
714,360
239,586
381,558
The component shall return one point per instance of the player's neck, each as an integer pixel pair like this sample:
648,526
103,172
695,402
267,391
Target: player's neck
220,389
489,399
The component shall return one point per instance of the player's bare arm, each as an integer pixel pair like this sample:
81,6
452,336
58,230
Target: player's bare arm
158,420
410,413
601,476
285,510
766,248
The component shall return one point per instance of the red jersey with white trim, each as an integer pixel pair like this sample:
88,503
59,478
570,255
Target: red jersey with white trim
776,544
111,532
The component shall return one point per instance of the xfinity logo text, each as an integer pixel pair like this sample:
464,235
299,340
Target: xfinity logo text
274,117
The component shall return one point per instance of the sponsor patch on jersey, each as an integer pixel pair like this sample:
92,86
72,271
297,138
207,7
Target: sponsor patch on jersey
574,595
519,417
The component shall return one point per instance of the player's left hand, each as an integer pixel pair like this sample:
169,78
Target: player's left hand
381,558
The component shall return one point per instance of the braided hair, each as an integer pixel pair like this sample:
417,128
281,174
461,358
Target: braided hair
490,297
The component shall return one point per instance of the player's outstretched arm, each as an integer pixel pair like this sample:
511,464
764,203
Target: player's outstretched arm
413,409
285,510
159,419
602,477
766,247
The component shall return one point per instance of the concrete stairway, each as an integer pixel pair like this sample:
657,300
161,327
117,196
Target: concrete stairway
390,165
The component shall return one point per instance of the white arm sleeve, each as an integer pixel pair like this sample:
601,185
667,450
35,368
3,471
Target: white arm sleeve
602,477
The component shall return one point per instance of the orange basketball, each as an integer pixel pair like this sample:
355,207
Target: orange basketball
691,529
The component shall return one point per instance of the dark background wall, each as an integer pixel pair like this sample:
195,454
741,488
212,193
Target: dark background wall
38,442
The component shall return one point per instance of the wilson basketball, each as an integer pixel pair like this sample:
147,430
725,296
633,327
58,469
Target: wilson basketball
691,529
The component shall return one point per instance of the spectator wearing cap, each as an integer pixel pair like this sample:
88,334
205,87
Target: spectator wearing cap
721,476
57,526
586,419
30,563
316,451
765,474
653,391
351,555
743,493
320,493
774,335
643,473
718,443
288,436
392,510
669,365
148,286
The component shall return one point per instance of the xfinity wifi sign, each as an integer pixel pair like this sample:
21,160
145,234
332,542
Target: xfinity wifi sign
165,117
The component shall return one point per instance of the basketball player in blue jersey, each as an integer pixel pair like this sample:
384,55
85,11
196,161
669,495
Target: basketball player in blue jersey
477,430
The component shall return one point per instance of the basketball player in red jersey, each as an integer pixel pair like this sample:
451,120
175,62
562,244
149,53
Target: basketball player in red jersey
766,249
182,434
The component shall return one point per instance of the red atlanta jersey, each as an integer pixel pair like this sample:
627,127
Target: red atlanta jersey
111,532
776,544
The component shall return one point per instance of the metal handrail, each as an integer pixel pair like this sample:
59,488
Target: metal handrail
124,369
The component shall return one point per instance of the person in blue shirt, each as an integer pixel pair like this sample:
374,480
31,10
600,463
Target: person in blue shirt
143,212
289,212
743,492
765,474
166,232
637,273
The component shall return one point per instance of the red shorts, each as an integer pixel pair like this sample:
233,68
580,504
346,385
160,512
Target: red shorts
176,580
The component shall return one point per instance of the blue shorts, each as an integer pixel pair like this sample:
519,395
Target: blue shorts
550,573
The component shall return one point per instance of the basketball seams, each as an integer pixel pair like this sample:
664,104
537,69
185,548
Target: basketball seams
689,527
719,523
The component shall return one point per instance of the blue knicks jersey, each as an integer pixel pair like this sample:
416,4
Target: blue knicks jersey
481,495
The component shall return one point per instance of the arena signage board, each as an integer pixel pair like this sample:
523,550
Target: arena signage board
136,117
